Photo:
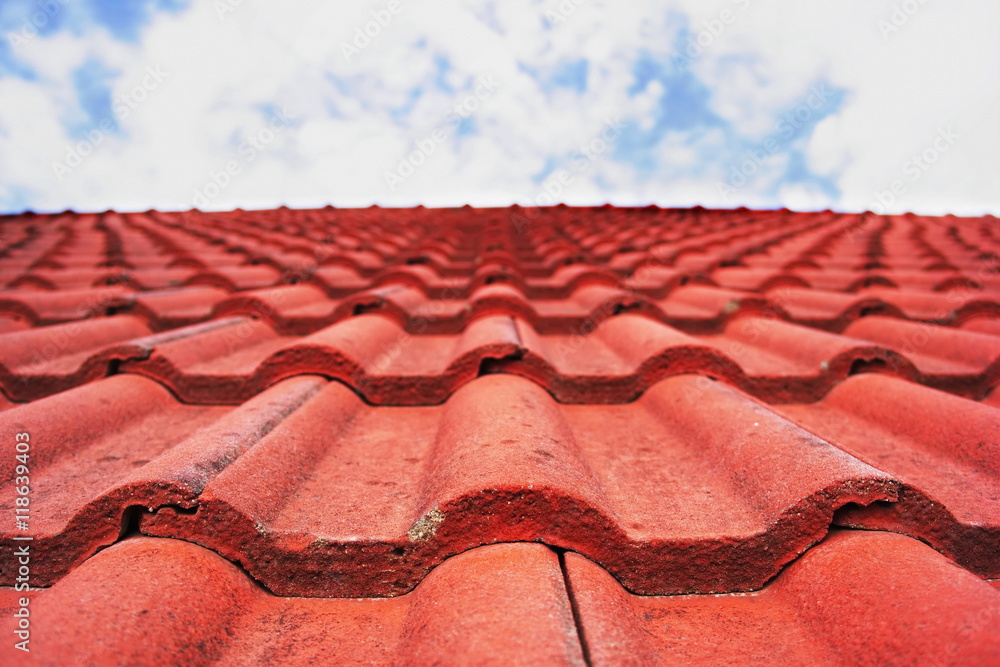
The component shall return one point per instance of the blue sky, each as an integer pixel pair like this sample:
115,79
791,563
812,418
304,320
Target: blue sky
170,104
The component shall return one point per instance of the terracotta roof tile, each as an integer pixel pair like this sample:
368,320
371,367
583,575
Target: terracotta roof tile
522,604
913,605
42,308
45,360
121,443
610,362
502,462
641,491
395,404
505,604
942,448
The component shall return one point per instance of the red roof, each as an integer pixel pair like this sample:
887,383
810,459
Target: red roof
503,435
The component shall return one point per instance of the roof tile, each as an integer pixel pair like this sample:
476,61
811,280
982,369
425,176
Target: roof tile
943,449
503,604
398,403
913,605
322,484
510,604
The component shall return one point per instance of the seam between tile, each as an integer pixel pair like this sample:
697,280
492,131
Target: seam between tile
574,608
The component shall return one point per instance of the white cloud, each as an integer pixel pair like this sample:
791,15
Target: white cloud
354,119
799,197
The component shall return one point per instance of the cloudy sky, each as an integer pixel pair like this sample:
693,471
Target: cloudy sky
174,104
